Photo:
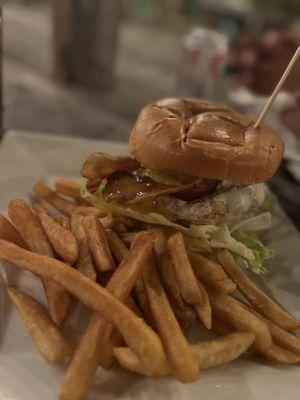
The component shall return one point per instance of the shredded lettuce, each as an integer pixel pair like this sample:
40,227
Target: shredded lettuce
83,190
222,238
258,223
259,251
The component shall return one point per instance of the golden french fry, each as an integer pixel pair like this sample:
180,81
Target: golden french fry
211,273
79,377
140,296
62,240
51,197
68,187
183,312
98,244
178,351
255,296
117,246
206,269
183,270
9,232
138,336
115,339
282,337
160,243
232,311
84,262
30,229
204,310
226,286
209,354
28,225
107,357
197,245
47,338
277,354
65,222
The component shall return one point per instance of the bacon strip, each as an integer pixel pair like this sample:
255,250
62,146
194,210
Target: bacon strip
101,165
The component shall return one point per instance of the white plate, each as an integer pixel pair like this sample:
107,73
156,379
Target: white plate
24,375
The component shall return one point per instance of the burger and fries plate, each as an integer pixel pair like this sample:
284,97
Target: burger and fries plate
25,375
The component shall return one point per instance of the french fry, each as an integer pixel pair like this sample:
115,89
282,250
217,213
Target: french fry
84,262
68,187
62,240
178,351
117,246
30,229
204,310
255,296
28,225
137,335
65,222
209,354
79,377
242,319
51,197
197,245
276,353
159,242
211,273
115,339
206,269
107,357
47,338
9,232
183,312
140,296
282,337
98,244
183,271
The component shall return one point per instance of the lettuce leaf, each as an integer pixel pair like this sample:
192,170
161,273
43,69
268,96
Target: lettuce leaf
269,202
257,223
259,250
224,240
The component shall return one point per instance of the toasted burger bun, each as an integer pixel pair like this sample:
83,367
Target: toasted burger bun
204,139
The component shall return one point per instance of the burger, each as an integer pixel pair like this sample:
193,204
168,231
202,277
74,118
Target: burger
195,166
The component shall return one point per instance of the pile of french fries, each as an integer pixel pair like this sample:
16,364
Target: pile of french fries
146,287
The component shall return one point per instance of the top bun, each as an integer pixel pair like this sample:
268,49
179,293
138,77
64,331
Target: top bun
204,139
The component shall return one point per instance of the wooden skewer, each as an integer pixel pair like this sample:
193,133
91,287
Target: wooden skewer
277,89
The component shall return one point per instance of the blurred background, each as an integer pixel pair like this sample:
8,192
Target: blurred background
86,67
